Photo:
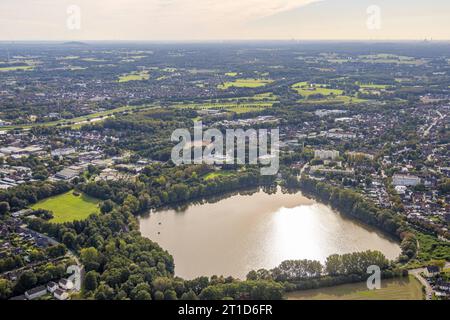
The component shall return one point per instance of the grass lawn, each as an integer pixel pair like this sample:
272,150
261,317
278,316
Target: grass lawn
245,83
392,289
67,207
217,174
134,76
306,90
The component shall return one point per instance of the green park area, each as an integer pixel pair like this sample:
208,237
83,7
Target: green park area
391,289
245,83
69,207
313,93
134,76
306,89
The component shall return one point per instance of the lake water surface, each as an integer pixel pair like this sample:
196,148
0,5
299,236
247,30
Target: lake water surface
245,232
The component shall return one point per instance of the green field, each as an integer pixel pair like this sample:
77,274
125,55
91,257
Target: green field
217,174
392,289
329,96
134,76
17,68
245,83
67,207
305,89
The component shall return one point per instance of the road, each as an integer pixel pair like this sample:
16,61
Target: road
428,289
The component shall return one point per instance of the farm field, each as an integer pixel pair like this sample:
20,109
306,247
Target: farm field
67,207
392,289
245,83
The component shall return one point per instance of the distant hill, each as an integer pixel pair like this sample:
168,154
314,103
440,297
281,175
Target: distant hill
74,43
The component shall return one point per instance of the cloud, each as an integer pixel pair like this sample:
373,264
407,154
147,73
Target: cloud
178,18
198,11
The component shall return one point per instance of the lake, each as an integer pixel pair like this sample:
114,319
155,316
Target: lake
257,230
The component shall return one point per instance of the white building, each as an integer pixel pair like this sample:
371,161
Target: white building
405,180
63,152
326,154
65,284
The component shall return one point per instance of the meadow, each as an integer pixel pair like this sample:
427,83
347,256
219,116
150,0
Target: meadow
310,94
16,68
392,289
245,83
305,89
69,207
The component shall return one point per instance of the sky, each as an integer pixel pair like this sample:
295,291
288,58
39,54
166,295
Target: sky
187,20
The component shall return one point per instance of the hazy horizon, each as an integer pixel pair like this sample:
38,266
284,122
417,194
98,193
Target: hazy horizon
213,20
